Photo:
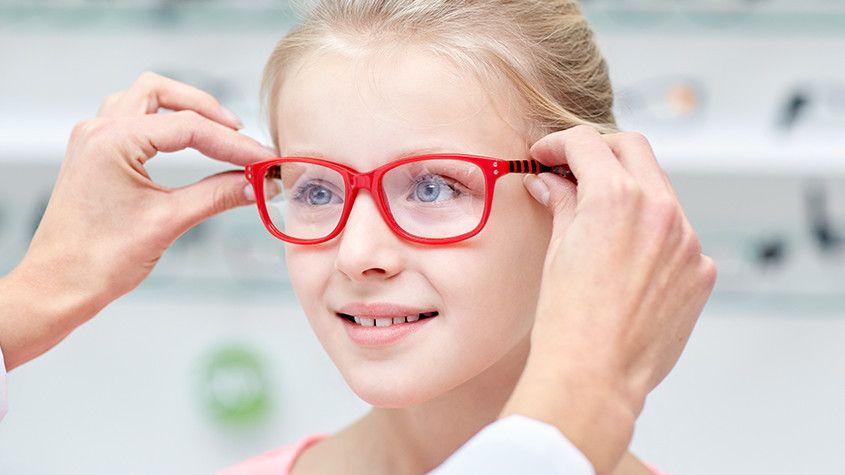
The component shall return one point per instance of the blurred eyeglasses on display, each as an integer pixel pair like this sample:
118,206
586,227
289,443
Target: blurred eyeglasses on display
665,101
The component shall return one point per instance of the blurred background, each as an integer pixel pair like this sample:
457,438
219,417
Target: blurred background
211,360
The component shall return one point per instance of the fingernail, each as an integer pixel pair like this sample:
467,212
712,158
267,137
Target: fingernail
537,188
231,117
270,149
249,193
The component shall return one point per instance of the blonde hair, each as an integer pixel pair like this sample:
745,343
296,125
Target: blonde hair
544,49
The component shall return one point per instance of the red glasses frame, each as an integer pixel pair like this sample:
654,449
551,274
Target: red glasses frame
493,169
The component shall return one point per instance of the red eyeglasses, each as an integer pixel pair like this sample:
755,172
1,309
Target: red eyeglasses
427,199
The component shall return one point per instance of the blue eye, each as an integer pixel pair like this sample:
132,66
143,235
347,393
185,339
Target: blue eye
316,195
431,187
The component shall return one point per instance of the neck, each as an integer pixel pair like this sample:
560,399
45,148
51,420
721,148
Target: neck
428,433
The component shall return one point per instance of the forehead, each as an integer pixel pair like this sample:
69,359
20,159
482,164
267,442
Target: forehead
366,110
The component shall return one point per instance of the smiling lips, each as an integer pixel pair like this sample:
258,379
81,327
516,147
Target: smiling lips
381,330
387,321
383,314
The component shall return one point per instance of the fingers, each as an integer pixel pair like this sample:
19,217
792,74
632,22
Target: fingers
151,91
210,196
611,157
186,129
109,105
637,157
588,156
554,192
612,169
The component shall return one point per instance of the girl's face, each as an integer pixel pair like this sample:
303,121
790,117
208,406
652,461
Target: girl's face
365,112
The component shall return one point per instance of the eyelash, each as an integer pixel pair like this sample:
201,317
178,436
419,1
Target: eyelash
303,188
448,182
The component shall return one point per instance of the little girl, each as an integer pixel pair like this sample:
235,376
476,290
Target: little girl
422,293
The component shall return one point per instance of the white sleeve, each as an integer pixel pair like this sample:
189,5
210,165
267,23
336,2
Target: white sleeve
517,444
4,403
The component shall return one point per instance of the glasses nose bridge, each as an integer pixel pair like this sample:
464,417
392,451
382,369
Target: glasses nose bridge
363,180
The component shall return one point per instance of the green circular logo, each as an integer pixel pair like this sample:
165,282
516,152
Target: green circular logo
234,386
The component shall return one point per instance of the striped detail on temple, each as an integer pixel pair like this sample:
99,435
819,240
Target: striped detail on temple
535,167
523,166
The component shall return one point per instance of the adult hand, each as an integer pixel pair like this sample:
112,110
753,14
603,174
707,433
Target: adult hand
107,223
624,282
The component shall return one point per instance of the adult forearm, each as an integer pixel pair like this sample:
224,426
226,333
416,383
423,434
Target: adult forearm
40,305
594,415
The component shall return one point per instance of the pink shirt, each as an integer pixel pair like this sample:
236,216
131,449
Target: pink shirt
280,461
277,461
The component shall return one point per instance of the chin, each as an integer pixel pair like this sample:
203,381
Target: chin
393,391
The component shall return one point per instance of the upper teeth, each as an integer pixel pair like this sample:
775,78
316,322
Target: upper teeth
386,322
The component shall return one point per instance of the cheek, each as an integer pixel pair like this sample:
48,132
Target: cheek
490,287
509,269
308,270
494,291
517,235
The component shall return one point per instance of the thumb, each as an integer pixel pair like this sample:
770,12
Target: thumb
212,195
555,193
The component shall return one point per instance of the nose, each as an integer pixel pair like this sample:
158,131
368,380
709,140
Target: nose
368,248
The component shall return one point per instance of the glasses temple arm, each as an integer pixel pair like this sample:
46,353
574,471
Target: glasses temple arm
535,167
